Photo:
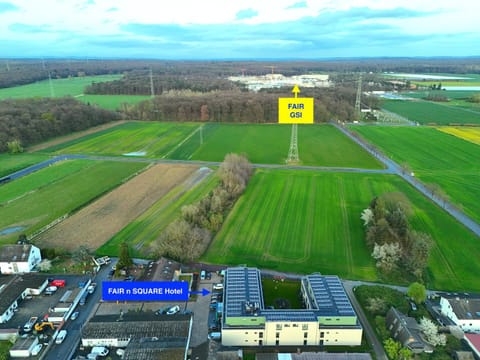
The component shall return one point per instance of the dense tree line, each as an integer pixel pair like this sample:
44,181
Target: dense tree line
139,83
395,245
21,71
188,237
239,106
30,121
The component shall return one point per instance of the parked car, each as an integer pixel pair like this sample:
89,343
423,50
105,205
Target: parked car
50,290
36,350
74,315
173,310
413,306
99,350
61,336
218,286
202,275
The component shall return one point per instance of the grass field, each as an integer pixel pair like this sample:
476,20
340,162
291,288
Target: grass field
61,87
144,230
450,94
277,289
112,102
306,222
11,163
37,199
435,157
465,133
320,145
425,112
155,139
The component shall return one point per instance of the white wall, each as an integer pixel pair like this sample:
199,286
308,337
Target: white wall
467,325
306,333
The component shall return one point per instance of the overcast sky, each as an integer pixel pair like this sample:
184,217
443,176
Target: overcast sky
239,29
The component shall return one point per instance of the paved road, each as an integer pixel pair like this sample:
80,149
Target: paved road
68,347
468,222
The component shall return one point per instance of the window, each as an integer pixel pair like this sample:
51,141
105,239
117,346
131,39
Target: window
304,342
287,325
279,327
305,335
295,325
246,332
277,335
322,334
304,326
260,342
277,342
260,334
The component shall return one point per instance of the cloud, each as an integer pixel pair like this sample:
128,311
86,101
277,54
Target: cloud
6,6
298,5
29,29
246,14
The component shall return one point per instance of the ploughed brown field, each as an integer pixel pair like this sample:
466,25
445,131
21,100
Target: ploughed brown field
95,224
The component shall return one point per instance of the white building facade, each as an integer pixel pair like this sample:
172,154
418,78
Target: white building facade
463,311
15,259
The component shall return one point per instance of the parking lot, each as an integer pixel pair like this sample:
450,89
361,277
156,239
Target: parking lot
39,305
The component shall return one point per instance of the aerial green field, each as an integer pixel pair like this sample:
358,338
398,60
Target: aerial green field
435,157
320,145
112,102
35,200
147,139
147,228
60,87
304,222
11,163
426,112
450,94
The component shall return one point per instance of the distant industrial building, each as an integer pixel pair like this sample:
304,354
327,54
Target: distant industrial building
463,311
329,318
269,81
142,335
20,258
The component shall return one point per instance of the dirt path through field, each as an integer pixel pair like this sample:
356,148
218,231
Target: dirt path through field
97,223
74,136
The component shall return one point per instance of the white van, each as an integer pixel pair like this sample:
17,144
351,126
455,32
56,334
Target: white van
61,336
215,336
202,275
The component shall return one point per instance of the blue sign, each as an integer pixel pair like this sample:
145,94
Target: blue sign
145,291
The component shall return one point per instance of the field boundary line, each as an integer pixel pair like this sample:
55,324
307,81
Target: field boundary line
183,141
346,226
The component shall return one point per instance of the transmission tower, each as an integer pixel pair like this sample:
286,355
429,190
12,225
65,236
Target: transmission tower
293,151
359,98
52,92
152,89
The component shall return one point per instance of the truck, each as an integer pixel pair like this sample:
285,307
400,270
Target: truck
30,323
91,288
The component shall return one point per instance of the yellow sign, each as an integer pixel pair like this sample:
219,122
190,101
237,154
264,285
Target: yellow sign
295,110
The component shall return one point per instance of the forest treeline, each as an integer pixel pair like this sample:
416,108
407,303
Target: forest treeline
239,106
139,82
23,71
31,121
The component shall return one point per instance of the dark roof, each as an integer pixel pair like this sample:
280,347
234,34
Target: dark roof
405,330
465,308
244,297
138,325
18,253
15,285
153,354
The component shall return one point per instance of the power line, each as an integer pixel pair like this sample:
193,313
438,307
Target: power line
293,151
358,100
152,90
